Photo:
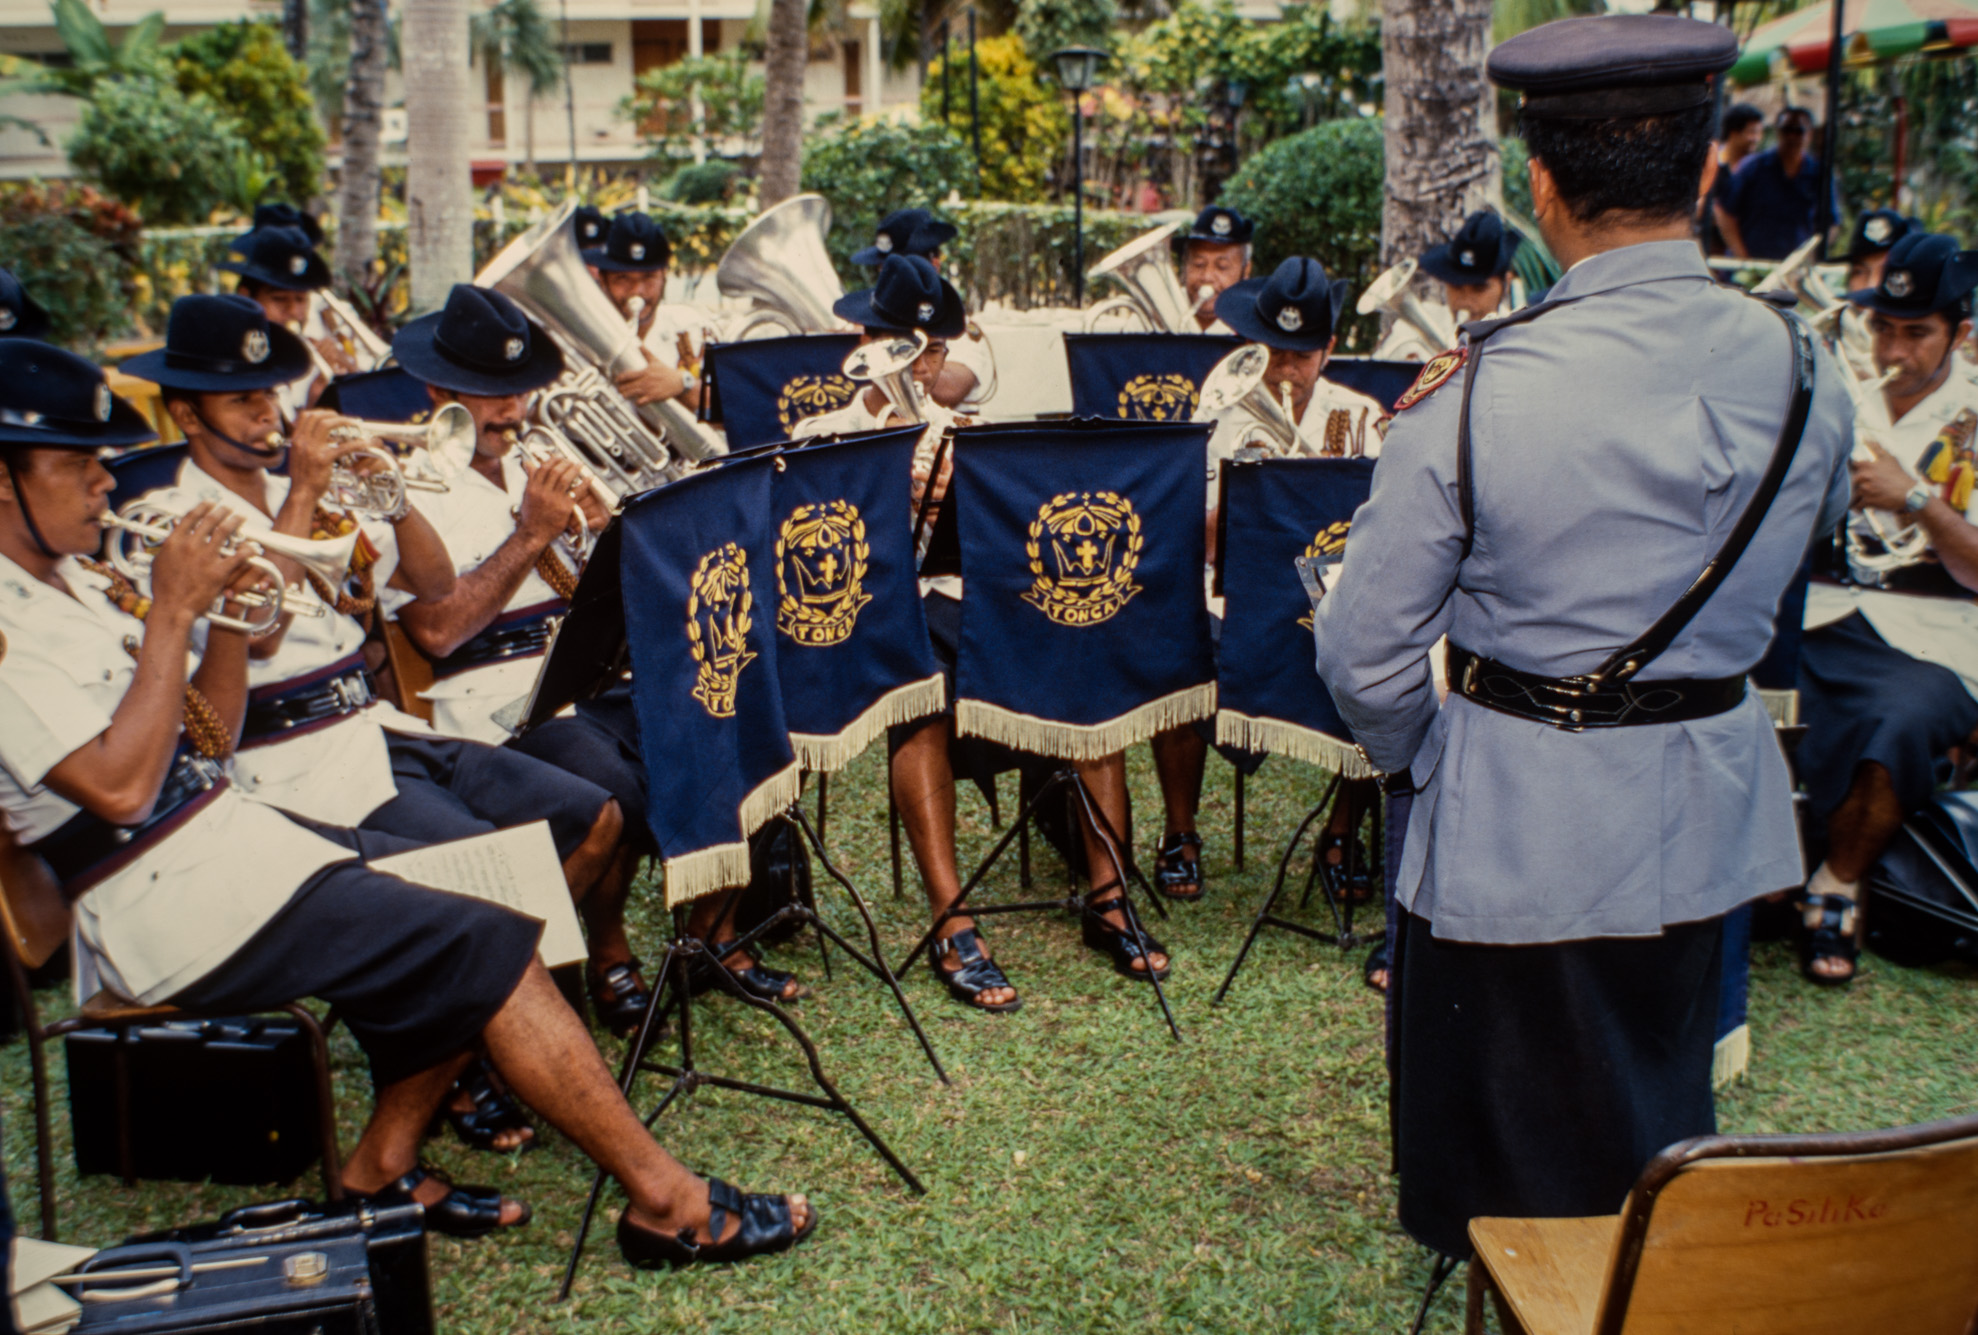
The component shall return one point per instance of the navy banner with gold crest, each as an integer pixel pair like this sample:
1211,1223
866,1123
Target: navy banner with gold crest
761,389
1142,377
389,395
1084,628
697,568
1269,695
1383,382
852,651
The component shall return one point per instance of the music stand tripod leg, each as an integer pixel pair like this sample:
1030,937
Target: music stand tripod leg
1103,827
1264,917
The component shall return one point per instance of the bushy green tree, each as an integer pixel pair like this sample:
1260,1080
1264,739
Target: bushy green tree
171,157
869,168
76,251
1025,123
1051,25
243,69
710,182
732,97
92,57
1319,193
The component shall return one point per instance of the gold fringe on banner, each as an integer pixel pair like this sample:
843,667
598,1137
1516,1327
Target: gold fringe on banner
1732,1057
773,794
705,872
822,754
1094,741
1279,738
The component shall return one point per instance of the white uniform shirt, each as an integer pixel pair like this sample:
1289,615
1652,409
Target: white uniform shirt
196,896
1357,415
672,319
1936,630
340,773
974,355
474,517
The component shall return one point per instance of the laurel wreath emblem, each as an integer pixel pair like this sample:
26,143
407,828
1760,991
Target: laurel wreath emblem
1092,516
1326,548
718,621
1159,398
812,395
826,621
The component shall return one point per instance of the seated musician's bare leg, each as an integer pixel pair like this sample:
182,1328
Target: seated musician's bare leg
1858,832
1105,780
924,790
712,920
544,1052
603,907
1180,755
389,1148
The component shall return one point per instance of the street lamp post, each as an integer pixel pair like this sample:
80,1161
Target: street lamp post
1078,67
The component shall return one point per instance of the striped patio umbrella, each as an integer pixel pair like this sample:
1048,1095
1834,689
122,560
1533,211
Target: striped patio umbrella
1874,30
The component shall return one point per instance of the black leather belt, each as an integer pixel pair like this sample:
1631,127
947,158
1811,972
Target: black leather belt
291,706
519,634
87,849
1571,704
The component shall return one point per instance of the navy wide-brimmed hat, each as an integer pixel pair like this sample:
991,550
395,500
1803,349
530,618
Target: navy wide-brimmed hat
280,257
1218,225
1609,66
480,344
1925,272
906,232
220,345
633,244
590,224
280,215
1296,308
1481,250
908,295
21,316
53,399
1876,232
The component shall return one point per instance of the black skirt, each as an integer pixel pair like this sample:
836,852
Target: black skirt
416,973
600,741
1864,702
1538,1081
450,789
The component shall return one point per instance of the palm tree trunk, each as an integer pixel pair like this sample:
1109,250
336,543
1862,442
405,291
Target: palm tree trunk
529,132
363,102
783,112
439,193
1441,162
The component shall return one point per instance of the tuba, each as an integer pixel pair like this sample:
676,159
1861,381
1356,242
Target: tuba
149,520
1237,381
780,263
1429,329
1153,293
543,272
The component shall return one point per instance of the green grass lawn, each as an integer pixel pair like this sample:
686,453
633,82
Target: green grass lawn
1084,1172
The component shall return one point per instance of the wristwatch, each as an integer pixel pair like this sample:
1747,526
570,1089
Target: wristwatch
1918,497
688,381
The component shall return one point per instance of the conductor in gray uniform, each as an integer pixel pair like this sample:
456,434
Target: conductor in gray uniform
1573,847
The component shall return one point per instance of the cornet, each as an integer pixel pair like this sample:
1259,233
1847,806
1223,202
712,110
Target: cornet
151,520
538,445
1433,327
381,492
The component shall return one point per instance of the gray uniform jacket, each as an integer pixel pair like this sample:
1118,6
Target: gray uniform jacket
1615,442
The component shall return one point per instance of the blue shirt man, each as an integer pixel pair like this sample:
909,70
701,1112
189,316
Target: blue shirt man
1775,195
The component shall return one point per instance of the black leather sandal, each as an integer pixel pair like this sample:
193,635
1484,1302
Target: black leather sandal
765,1227
494,1112
1376,963
1178,867
619,997
1829,937
974,974
1122,944
464,1212
1356,886
758,980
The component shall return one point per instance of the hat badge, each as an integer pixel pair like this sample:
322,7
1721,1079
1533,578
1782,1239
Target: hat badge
7,318
298,265
103,402
638,249
1221,225
513,349
254,347
883,244
1290,319
1467,258
925,312
1876,230
1899,284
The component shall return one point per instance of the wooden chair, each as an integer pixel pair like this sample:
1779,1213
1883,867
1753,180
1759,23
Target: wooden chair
1763,1235
411,670
37,919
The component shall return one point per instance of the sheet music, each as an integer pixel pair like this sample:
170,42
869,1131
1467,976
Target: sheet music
39,1307
516,868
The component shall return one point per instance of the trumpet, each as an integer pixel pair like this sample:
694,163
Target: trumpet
151,520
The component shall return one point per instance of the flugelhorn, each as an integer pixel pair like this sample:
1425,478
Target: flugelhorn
1153,293
1237,381
381,492
151,519
1432,329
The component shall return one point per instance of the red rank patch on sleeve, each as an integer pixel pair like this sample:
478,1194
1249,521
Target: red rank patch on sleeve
1438,369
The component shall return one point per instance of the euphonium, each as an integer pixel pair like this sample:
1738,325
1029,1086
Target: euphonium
1153,293
780,262
151,519
1237,381
1429,329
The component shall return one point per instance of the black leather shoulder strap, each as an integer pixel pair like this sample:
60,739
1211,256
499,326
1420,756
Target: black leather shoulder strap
1474,334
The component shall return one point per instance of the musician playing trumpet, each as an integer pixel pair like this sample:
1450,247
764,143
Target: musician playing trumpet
281,272
630,264
1888,676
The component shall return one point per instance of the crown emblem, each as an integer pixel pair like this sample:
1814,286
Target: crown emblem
1291,319
718,605
810,395
821,556
513,349
7,318
1899,284
1322,556
638,250
1876,230
254,347
1221,225
1467,258
883,244
298,265
1158,398
925,312
1083,548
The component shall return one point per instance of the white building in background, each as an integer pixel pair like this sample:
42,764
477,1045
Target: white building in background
610,43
